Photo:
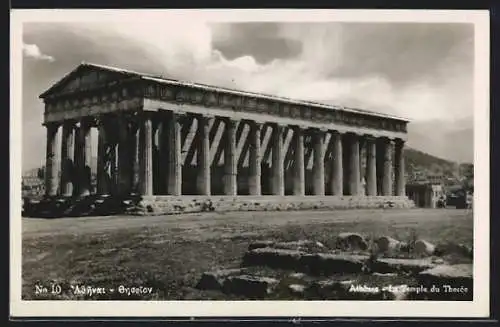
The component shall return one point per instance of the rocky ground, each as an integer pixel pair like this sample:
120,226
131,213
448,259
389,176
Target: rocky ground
355,270
277,255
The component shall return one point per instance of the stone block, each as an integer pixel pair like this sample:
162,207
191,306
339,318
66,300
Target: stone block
451,248
392,265
384,274
273,258
387,244
260,244
214,280
423,248
301,245
328,263
250,286
351,242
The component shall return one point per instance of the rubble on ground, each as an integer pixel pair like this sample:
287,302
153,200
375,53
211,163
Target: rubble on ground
307,269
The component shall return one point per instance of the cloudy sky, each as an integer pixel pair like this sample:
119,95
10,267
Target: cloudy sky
420,71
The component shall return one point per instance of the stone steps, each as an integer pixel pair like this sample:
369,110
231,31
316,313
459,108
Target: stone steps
159,205
187,204
92,205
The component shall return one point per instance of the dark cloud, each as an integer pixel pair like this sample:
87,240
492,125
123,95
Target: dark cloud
259,40
400,52
404,69
404,52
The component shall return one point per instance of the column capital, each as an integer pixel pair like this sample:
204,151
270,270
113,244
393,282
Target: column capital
229,119
206,116
68,123
83,122
278,128
299,126
317,129
336,132
278,124
369,137
175,112
351,135
252,122
52,124
102,119
399,141
386,139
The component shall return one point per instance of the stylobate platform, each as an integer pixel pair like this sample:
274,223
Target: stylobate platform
95,205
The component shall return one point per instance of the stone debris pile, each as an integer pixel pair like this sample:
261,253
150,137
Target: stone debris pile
354,269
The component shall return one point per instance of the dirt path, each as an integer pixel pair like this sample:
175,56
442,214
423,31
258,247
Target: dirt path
44,227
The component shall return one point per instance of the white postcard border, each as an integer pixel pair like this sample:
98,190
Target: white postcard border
479,307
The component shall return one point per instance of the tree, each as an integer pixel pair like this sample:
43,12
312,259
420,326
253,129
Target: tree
468,171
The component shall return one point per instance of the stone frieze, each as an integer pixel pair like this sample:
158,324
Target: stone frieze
110,96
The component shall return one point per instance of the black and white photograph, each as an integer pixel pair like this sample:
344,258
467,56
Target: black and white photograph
322,163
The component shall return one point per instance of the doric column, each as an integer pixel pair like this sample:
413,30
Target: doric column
83,157
51,167
371,170
146,156
203,157
362,165
230,159
174,170
337,183
354,170
113,164
299,180
254,160
102,144
400,168
278,177
387,172
319,159
67,152
135,142
124,157
163,148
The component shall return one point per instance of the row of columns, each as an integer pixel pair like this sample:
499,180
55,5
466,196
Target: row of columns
76,154
136,148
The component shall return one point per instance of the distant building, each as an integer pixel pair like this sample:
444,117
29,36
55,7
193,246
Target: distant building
436,178
426,195
32,186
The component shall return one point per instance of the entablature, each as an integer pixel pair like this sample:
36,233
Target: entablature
92,90
180,94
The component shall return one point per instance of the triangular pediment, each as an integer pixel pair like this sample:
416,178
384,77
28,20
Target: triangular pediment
84,77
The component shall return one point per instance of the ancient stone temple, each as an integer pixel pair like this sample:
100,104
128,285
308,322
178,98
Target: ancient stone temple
162,137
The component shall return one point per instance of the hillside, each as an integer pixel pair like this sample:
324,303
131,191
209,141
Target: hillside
415,158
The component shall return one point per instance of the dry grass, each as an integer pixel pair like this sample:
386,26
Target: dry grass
170,255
